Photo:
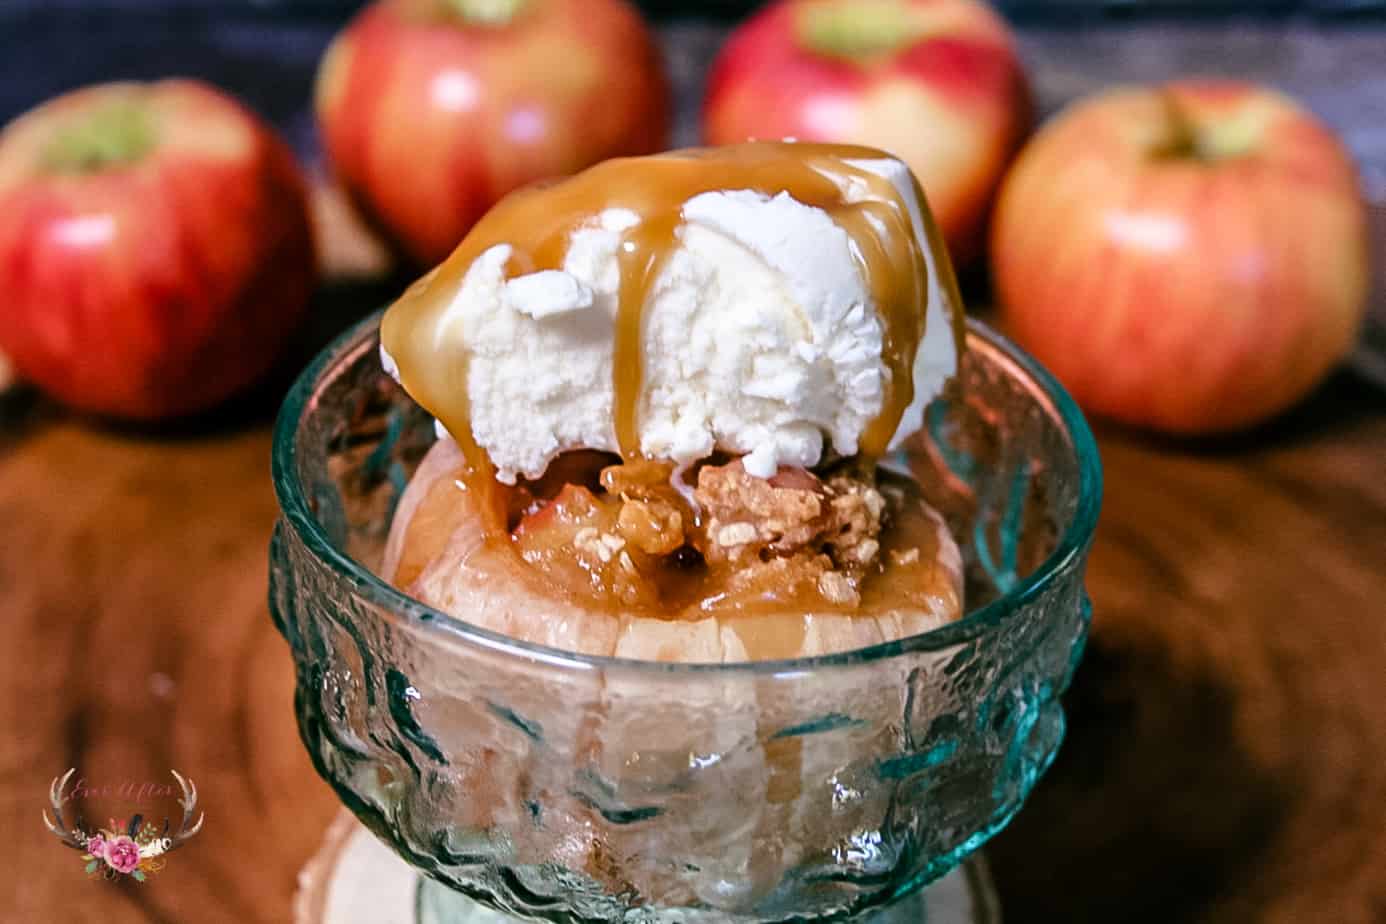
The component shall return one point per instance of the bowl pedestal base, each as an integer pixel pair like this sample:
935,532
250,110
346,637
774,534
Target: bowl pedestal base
355,879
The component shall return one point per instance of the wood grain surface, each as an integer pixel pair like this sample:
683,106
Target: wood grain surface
1226,757
1227,751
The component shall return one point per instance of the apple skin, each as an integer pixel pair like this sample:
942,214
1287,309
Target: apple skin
1189,258
159,286
952,101
429,119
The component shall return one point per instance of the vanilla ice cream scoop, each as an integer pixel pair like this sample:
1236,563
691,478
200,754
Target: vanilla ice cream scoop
767,300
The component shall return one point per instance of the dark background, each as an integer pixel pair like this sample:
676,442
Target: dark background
1050,10
729,9
266,50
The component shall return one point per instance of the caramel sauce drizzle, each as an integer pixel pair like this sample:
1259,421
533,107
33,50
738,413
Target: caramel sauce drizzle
539,221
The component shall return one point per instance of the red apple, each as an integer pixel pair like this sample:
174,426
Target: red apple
934,82
1190,258
155,250
431,110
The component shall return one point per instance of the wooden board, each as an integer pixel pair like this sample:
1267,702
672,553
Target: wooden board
136,639
1227,760
1227,753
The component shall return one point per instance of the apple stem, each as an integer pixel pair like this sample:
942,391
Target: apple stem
486,12
117,134
1190,140
859,29
1183,139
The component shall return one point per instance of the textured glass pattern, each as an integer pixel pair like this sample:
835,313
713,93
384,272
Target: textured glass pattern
594,789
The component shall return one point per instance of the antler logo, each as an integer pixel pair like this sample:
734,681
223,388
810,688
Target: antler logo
133,848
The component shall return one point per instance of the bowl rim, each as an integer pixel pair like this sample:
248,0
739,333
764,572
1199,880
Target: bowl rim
1067,554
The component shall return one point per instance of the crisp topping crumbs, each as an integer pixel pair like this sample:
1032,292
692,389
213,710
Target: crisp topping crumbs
858,508
734,534
793,534
794,527
875,503
783,513
602,545
906,557
865,553
653,526
836,588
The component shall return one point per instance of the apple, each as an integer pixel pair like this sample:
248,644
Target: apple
431,110
1190,257
155,248
935,82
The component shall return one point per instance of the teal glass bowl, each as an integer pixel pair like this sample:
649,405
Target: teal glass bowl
573,788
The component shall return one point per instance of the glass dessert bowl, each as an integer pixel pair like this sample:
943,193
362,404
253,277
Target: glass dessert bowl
552,784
